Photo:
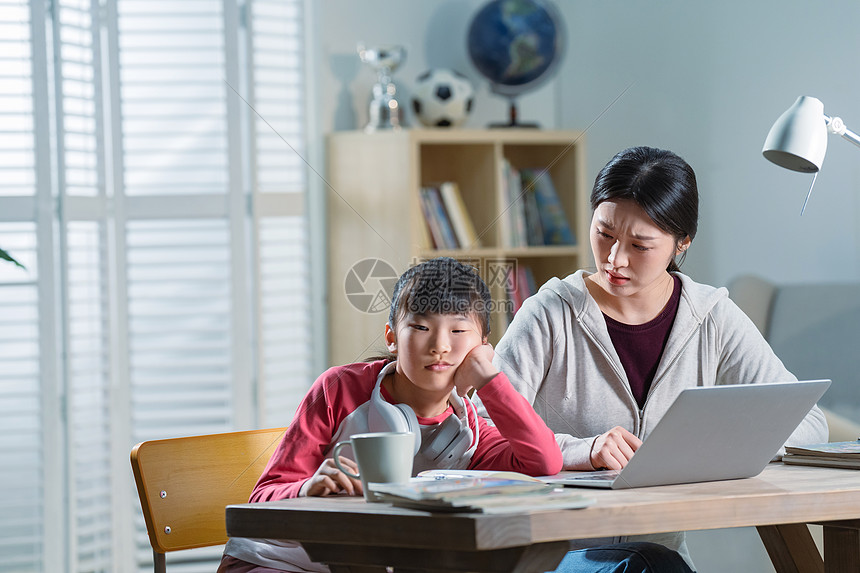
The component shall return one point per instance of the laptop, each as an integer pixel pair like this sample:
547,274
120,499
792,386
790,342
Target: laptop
712,433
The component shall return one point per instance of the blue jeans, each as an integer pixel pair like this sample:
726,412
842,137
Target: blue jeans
638,557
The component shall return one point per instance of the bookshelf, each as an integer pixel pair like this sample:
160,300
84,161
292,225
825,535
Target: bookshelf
376,227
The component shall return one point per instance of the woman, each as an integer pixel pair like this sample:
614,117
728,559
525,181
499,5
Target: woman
601,356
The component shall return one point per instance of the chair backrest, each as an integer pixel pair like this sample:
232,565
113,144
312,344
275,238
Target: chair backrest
755,297
799,322
184,484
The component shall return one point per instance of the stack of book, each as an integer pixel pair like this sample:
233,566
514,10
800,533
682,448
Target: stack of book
832,454
448,220
478,494
532,213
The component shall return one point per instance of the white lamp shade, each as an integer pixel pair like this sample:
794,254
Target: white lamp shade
798,139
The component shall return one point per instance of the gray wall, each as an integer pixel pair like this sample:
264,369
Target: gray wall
705,79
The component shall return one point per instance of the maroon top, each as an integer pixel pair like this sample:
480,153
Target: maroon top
640,346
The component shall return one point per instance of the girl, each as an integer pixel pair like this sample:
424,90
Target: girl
437,337
602,355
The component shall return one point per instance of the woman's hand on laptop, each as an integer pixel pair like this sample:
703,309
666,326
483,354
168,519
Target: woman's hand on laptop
613,449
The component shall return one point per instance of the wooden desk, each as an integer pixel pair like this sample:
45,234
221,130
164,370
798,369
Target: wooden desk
355,536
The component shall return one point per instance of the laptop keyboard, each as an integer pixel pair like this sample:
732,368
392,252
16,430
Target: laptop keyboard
603,475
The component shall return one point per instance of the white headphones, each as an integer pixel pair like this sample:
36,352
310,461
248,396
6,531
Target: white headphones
451,440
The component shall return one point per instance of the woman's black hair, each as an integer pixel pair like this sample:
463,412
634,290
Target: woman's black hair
660,182
440,286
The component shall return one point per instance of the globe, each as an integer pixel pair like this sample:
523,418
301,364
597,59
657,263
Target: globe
517,45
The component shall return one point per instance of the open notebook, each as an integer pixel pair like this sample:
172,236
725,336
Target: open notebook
712,433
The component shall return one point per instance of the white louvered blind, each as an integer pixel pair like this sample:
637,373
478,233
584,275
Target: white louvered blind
279,178
174,129
187,353
179,341
84,302
89,427
21,461
172,70
179,327
21,443
152,181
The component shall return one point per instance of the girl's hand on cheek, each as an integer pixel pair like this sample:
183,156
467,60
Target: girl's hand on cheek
476,370
328,480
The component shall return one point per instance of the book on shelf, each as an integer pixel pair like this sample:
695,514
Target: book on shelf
426,235
511,208
461,222
485,494
534,226
831,454
431,226
553,220
441,229
517,209
521,286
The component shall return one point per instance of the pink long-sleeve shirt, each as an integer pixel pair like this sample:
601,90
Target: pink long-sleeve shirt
335,408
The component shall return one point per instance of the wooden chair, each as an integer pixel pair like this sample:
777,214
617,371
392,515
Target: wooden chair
184,484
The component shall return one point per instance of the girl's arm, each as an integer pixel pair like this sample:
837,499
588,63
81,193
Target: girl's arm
519,441
301,452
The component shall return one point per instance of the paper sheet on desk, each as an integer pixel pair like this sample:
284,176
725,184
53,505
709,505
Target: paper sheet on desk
458,474
477,493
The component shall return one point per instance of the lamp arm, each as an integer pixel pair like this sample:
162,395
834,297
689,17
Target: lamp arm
837,126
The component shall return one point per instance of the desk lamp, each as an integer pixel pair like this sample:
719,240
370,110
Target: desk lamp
798,139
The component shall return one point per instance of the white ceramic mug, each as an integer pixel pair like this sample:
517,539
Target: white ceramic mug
381,457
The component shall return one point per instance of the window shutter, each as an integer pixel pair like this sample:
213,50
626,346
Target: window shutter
176,223
88,390
22,469
21,450
84,298
162,219
279,184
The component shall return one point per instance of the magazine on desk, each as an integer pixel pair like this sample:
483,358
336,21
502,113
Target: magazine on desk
486,492
832,454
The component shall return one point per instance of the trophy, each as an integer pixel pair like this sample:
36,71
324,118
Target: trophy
385,111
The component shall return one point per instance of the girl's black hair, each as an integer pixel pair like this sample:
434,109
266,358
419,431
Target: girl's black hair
441,286
660,182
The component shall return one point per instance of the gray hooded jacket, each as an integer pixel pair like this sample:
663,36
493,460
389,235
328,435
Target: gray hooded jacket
558,354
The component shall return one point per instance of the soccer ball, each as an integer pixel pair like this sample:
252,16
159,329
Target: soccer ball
442,98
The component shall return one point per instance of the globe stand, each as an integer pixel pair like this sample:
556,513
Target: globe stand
512,118
517,46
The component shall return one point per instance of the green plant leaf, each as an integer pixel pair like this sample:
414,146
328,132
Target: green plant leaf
7,257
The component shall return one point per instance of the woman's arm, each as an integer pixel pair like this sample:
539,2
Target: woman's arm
747,358
525,351
526,354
